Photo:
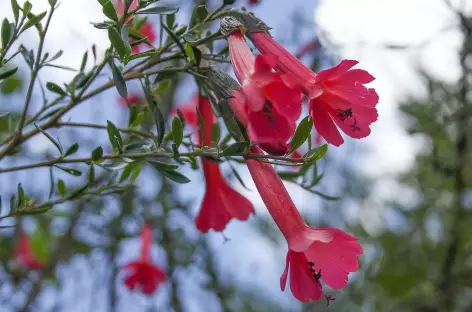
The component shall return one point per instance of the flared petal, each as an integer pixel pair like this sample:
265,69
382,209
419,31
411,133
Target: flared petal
323,123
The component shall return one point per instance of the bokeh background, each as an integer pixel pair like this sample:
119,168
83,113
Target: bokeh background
405,191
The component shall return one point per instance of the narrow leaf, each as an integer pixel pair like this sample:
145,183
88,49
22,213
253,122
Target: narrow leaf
301,134
61,187
97,153
5,32
34,20
71,150
316,153
120,46
175,38
16,9
114,136
71,171
51,86
177,131
56,143
215,133
120,82
237,148
8,73
163,10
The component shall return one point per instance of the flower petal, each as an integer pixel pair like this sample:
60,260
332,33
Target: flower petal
323,123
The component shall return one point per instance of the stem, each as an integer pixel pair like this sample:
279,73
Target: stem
95,126
58,161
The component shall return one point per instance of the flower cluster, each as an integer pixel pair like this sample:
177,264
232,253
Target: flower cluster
268,101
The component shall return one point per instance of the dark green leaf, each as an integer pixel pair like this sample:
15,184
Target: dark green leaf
79,80
16,9
327,197
12,203
215,133
35,19
52,3
177,131
231,122
114,136
136,171
194,54
288,175
301,134
175,38
121,47
91,175
229,2
170,20
27,7
175,176
162,166
51,182
27,55
97,153
56,143
84,61
126,172
51,86
316,153
8,73
21,196
235,149
163,10
120,82
61,187
35,211
71,171
5,32
71,150
109,9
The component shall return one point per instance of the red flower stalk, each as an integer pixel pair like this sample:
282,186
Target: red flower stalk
273,105
147,30
314,253
120,6
143,272
24,255
221,203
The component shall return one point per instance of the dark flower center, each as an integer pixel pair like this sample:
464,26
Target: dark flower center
316,275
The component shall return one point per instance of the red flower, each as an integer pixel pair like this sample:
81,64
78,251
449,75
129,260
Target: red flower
314,253
272,103
24,255
338,95
253,2
221,203
147,30
133,99
142,272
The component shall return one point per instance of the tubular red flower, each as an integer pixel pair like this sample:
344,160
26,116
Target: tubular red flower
338,95
273,102
221,203
143,272
133,99
333,252
24,255
120,8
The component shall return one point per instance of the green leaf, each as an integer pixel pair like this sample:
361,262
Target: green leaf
56,143
316,153
97,153
71,171
12,203
162,166
91,175
16,9
71,150
52,3
215,133
170,20
6,32
163,86
121,47
135,173
177,131
163,10
120,82
21,196
235,149
175,38
7,73
40,239
114,136
61,187
35,19
301,134
84,61
194,54
238,177
51,86
109,9
199,14
51,182
288,175
126,172
27,7
175,176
